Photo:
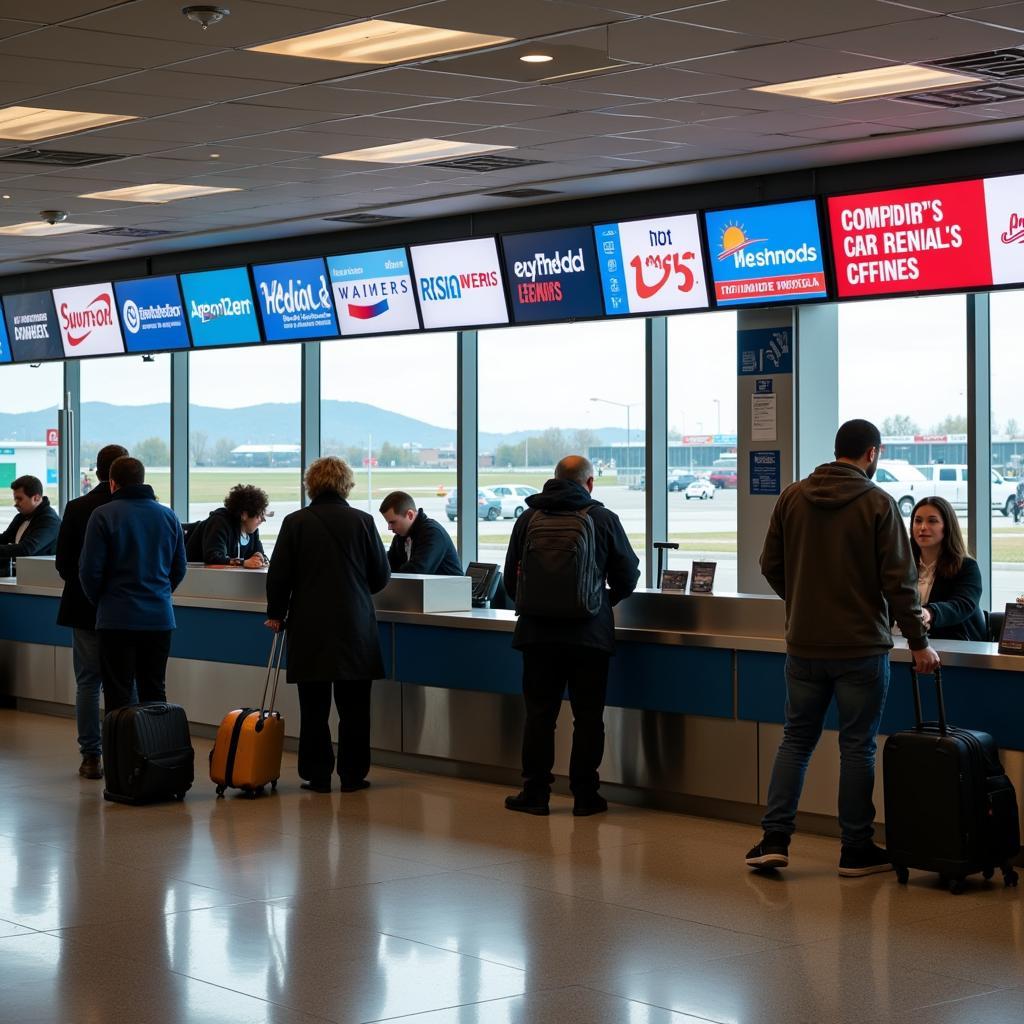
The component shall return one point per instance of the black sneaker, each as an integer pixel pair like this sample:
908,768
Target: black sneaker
354,785
771,852
317,787
528,803
584,806
857,861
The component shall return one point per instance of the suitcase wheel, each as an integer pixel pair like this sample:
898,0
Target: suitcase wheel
957,886
1010,878
273,785
988,873
902,875
220,792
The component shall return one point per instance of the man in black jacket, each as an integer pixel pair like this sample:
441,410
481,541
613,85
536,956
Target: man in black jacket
77,612
421,546
33,531
574,652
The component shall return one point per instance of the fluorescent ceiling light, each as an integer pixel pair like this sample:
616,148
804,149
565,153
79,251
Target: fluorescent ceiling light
863,85
157,193
417,151
380,42
28,124
40,229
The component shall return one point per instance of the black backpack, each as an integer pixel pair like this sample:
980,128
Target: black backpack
558,574
193,534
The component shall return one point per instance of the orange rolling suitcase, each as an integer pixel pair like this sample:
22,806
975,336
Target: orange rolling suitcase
247,752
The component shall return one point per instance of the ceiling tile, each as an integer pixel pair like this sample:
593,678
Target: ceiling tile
520,136
844,132
133,103
775,122
246,116
523,19
556,98
680,110
1005,16
55,74
569,62
783,62
338,102
59,44
209,88
657,42
600,147
53,11
483,112
393,128
572,126
651,83
266,67
421,83
917,117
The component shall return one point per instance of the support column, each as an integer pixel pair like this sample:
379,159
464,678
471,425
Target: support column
179,434
816,384
466,446
979,440
310,432
656,437
69,467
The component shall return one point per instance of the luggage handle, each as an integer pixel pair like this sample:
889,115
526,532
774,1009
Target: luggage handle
273,668
918,714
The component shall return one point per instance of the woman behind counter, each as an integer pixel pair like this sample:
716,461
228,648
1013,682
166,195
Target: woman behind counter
327,563
231,535
948,578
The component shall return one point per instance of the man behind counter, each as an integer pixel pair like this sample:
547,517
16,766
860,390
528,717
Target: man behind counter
421,545
33,530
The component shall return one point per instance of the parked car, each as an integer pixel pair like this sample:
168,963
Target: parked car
488,505
724,477
906,483
679,480
950,482
513,498
700,489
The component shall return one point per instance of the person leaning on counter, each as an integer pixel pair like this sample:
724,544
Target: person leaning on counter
421,545
231,535
34,529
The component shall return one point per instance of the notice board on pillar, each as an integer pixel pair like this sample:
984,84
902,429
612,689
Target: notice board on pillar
765,350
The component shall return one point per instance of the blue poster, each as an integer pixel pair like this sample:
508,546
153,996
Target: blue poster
152,314
765,472
5,345
295,300
765,350
220,307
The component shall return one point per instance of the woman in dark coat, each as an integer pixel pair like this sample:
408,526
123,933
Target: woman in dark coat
327,563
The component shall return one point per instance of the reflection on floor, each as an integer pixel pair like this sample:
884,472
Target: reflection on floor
421,899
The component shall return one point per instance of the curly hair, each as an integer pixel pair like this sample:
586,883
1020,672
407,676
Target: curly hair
329,475
253,501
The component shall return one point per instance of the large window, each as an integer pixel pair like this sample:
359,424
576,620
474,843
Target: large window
245,427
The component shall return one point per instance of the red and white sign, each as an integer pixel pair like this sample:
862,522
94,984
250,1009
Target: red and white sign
53,438
1004,202
87,316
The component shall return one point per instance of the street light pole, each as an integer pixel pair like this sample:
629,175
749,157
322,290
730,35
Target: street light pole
629,430
718,410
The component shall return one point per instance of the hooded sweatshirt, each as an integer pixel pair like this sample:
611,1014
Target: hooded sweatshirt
838,554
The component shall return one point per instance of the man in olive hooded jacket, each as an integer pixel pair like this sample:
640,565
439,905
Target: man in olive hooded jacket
838,554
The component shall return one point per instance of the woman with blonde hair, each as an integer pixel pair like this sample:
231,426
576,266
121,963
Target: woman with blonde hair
327,563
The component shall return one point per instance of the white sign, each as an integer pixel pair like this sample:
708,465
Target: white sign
459,283
1004,210
87,316
763,417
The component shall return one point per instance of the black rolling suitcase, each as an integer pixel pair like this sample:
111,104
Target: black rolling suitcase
147,754
949,806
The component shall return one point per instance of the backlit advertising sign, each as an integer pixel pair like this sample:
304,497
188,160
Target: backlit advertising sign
764,254
295,300
5,345
152,314
32,328
220,307
1004,210
552,275
459,283
373,292
88,320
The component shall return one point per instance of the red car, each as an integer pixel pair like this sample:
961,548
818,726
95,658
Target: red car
723,478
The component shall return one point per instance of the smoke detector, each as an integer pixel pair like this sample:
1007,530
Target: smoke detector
54,216
205,15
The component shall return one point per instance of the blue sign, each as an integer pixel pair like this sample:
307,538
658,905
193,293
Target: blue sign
33,331
762,254
553,275
220,307
152,314
763,386
295,300
5,345
765,350
765,472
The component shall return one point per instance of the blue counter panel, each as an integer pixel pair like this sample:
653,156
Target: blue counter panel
31,619
458,659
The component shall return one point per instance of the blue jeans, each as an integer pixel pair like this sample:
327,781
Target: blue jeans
85,650
860,686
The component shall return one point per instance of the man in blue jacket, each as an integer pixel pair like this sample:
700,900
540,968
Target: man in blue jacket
132,560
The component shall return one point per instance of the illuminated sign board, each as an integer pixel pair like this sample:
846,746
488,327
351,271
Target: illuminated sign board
32,328
650,266
373,292
295,300
459,283
220,307
152,314
5,345
1004,211
552,275
765,254
88,320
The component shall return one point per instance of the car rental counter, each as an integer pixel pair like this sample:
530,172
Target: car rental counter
695,699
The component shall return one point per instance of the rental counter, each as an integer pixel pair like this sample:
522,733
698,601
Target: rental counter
695,701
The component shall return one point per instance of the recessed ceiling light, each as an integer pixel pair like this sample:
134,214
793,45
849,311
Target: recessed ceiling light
156,193
6,197
418,151
380,42
215,156
536,58
862,85
34,228
27,124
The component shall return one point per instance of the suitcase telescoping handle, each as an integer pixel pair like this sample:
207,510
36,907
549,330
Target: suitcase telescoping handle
918,715
273,669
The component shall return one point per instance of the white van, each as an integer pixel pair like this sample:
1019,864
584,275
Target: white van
909,484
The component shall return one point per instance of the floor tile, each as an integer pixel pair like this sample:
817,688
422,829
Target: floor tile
1005,1007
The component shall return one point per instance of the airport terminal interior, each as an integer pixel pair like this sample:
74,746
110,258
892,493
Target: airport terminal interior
451,242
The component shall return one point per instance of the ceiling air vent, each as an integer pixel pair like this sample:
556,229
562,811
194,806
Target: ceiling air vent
971,96
363,218
524,193
998,64
131,232
58,157
484,162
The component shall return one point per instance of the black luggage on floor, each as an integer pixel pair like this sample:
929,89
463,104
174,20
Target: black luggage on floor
147,754
949,806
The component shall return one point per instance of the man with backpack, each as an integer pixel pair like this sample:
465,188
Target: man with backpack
563,551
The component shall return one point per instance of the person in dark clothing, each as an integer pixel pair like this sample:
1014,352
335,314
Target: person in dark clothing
574,652
132,560
327,564
837,553
421,545
231,535
78,612
33,531
948,579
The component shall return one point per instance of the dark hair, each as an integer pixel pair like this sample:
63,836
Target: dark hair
31,485
246,498
953,550
106,457
398,502
855,437
127,472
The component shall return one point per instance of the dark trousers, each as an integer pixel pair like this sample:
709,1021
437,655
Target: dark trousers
133,657
316,755
548,670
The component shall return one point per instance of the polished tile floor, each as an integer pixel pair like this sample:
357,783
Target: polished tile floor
422,900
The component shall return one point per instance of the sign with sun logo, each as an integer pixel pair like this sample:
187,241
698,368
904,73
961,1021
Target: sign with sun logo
764,254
